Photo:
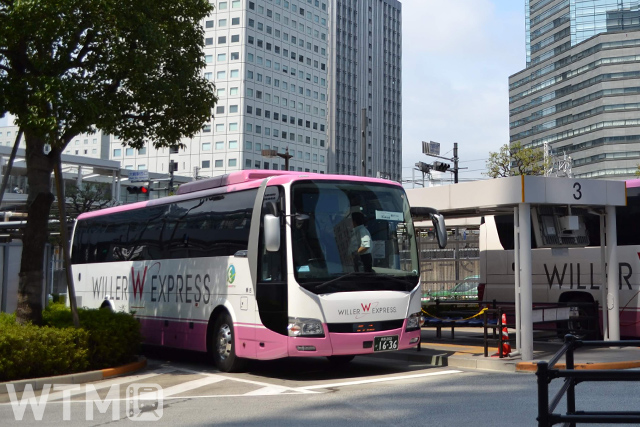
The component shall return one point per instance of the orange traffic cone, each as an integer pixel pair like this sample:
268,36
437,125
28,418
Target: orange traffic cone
504,339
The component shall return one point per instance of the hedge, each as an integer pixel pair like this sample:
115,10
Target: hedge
105,339
28,351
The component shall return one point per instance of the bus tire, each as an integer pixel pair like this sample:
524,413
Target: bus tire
583,329
223,349
340,360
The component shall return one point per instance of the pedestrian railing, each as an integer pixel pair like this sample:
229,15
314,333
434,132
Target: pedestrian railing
547,372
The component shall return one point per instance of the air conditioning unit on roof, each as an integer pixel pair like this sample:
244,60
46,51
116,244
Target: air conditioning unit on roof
559,227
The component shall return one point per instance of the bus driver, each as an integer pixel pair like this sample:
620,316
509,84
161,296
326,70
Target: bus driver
361,243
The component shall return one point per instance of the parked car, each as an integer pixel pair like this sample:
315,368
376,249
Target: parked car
467,289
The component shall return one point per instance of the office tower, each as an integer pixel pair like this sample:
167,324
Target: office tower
580,91
366,88
269,62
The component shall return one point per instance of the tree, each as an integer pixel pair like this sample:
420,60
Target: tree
89,198
131,69
515,160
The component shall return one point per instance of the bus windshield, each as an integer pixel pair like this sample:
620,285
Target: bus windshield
352,236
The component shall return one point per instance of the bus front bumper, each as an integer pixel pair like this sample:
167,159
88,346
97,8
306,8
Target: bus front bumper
334,343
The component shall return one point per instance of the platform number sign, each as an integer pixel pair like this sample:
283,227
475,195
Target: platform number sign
578,191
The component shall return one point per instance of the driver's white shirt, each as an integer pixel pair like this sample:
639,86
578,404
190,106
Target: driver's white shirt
360,238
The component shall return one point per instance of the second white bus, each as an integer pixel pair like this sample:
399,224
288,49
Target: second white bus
568,274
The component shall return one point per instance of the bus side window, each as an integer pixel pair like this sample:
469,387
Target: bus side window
272,264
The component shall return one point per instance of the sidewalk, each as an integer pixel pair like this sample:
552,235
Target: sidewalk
467,351
79,378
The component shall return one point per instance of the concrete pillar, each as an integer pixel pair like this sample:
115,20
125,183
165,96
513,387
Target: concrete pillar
613,280
526,282
79,179
114,185
603,277
516,274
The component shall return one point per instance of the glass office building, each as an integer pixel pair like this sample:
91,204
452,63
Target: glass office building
366,88
580,90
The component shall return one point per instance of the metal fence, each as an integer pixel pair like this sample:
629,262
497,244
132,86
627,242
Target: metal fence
442,269
547,372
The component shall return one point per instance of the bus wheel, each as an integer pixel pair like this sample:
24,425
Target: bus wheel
586,327
223,345
339,360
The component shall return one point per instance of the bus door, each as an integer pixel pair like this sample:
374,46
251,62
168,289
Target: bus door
271,287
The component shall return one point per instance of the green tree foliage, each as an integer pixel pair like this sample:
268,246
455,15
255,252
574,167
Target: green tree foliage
88,198
515,160
129,68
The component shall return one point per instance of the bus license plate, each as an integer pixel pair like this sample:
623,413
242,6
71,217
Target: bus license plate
385,343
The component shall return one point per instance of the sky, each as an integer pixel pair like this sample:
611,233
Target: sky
457,56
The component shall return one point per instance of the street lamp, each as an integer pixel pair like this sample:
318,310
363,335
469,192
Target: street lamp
273,153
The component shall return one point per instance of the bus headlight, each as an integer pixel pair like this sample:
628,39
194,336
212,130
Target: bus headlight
413,322
301,327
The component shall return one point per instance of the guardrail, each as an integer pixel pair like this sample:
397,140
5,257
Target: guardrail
556,317
546,373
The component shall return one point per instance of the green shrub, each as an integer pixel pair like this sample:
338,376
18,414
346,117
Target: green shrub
7,319
28,351
114,338
105,339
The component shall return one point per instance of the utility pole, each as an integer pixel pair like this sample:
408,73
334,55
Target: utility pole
455,162
364,142
432,149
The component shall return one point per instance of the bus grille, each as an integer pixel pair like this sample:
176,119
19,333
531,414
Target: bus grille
350,328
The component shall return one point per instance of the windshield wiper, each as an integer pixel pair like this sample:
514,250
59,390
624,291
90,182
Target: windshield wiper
395,279
344,276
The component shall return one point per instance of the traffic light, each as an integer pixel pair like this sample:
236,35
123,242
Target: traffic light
441,167
423,167
138,190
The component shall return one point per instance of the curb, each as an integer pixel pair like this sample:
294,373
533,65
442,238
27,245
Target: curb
459,359
77,378
628,364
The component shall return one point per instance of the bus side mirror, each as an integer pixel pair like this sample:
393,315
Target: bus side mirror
271,233
440,229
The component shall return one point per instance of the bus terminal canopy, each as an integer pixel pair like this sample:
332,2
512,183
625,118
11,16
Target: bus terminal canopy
517,194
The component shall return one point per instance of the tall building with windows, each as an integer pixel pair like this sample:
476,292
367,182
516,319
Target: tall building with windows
580,91
365,103
269,61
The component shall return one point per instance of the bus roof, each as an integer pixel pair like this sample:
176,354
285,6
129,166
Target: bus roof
632,183
247,176
236,181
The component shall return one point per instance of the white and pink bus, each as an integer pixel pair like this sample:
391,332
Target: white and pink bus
570,274
259,265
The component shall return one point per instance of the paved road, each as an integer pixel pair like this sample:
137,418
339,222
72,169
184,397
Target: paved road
371,391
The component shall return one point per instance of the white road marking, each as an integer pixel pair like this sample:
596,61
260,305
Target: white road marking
378,380
265,390
184,387
56,397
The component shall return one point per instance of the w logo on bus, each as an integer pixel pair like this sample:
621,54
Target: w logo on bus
365,307
138,285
